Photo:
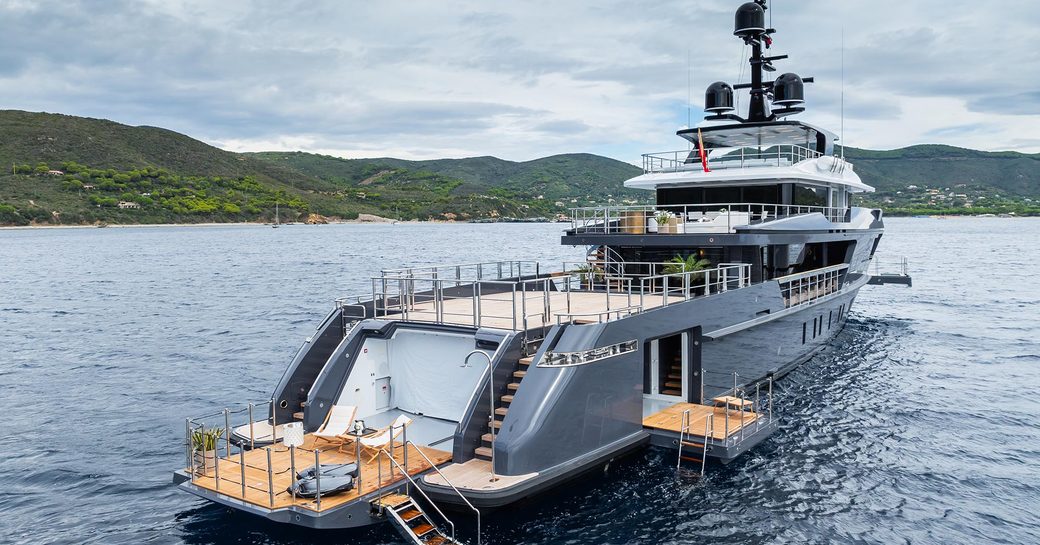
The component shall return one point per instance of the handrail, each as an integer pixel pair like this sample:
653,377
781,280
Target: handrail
445,477
814,272
491,396
691,218
404,472
771,155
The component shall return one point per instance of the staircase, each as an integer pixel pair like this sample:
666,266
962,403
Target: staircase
411,521
610,264
673,380
502,408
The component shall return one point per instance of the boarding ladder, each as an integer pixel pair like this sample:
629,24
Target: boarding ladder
414,525
685,440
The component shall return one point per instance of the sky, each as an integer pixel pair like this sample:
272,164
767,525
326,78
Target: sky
517,80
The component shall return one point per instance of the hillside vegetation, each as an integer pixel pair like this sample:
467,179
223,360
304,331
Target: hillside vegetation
73,170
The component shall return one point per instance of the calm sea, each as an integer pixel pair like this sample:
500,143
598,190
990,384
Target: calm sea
921,424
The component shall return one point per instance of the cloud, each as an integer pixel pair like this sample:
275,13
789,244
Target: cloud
516,80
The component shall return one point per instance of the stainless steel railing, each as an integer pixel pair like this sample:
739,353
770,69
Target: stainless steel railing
403,471
450,484
760,405
810,286
681,219
689,160
529,304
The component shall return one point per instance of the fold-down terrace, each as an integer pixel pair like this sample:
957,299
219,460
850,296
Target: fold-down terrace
520,296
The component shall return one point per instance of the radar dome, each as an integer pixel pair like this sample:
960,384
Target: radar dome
718,98
750,20
788,91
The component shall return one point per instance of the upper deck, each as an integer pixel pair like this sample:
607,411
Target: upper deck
750,153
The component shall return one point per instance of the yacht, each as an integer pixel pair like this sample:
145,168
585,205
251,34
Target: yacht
468,387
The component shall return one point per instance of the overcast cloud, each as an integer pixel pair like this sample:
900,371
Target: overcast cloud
517,80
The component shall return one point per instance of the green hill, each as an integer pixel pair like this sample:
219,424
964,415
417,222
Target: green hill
120,174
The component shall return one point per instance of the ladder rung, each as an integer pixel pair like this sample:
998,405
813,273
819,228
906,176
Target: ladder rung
501,411
691,459
411,514
519,374
527,361
483,452
692,444
514,386
487,438
423,529
507,398
298,415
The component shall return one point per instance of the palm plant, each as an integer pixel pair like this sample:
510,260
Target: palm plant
688,264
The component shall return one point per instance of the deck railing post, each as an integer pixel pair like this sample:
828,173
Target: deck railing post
404,455
242,470
357,459
379,470
317,477
216,466
770,399
227,432
274,422
188,448
252,441
270,479
292,471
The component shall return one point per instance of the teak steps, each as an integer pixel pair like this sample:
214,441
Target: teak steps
502,407
410,520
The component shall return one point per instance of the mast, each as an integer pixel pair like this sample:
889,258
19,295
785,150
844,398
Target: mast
786,94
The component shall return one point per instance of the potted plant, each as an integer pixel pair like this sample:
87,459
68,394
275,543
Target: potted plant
204,447
588,275
690,264
662,223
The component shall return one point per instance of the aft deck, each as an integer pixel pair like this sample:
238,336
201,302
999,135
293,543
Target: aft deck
267,486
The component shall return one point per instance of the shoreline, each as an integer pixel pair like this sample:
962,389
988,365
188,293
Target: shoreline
368,222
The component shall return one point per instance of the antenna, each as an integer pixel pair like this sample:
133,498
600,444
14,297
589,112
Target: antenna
689,89
843,92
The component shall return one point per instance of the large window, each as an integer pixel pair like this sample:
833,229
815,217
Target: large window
810,196
766,194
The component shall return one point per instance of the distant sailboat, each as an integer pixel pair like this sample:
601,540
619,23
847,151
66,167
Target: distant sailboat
277,223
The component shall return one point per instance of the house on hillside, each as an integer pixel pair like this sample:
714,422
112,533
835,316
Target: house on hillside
128,205
55,173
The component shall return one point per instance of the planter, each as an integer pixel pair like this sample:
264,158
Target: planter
673,227
633,223
205,462
651,225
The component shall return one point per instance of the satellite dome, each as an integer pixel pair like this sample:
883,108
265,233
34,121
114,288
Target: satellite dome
788,90
718,98
750,20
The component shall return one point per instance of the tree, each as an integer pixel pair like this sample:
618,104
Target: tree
41,168
23,169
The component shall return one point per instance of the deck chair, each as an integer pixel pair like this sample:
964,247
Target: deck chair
337,423
381,439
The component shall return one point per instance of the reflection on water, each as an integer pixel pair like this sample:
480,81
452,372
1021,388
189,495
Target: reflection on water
911,427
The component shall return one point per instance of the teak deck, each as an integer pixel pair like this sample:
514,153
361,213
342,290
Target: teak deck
670,419
496,310
256,491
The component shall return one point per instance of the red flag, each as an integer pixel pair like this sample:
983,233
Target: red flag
700,148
